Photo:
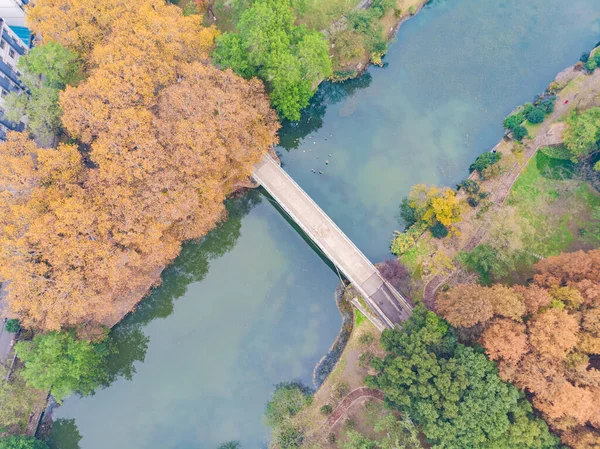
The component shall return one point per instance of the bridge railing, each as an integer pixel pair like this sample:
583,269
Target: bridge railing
340,232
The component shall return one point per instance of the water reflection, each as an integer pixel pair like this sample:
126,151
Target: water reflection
65,434
291,134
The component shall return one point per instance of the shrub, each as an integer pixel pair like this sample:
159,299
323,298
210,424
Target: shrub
548,104
473,201
536,115
331,438
364,361
591,65
326,409
340,390
514,120
407,213
484,161
287,400
366,339
412,10
438,230
21,442
584,57
519,133
13,326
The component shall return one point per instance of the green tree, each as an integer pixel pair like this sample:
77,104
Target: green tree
514,120
58,362
230,445
13,325
583,133
453,391
47,69
520,132
484,161
21,442
287,400
51,65
290,59
536,115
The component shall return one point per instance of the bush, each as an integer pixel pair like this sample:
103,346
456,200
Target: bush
438,230
584,57
21,442
364,361
548,104
287,400
331,438
514,120
340,390
407,213
412,10
484,161
13,326
519,133
473,201
366,339
536,115
326,409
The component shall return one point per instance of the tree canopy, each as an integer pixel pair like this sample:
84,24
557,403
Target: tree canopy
162,138
543,338
21,442
583,133
291,59
453,391
61,363
46,70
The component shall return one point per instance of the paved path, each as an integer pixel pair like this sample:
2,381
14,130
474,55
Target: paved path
379,295
6,338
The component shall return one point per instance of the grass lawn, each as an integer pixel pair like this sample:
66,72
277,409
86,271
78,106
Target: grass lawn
559,208
320,14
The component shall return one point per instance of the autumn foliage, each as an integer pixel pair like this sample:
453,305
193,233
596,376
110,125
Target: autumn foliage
162,136
545,338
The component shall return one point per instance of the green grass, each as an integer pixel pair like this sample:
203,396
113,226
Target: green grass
320,14
359,317
532,129
413,257
558,208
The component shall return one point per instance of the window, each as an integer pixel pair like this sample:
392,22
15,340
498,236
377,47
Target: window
2,43
11,53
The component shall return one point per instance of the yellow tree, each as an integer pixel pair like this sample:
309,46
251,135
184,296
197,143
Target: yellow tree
433,205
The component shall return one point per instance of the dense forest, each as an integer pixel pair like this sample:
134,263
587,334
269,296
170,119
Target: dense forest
155,137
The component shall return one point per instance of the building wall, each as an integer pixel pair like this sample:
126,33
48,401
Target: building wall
12,11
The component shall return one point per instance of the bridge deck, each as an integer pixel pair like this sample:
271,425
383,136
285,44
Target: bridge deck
381,297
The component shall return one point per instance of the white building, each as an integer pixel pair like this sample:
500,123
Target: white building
15,41
12,11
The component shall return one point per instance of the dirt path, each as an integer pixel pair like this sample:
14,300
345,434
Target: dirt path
565,103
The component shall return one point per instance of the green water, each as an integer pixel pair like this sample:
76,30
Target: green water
252,305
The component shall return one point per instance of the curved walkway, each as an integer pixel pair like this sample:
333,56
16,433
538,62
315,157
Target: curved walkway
349,400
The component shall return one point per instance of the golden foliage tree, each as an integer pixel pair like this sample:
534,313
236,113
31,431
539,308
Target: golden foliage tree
549,353
167,137
434,205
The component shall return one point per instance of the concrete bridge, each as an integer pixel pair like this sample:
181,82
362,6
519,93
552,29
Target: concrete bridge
387,305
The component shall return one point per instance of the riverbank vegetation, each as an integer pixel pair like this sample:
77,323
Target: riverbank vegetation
508,282
294,45
452,391
544,338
